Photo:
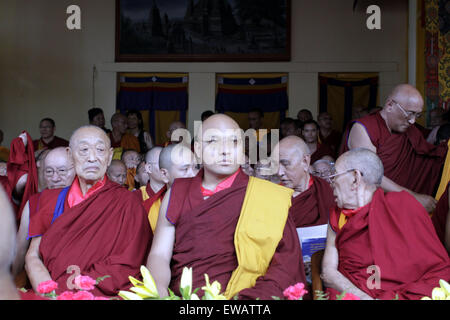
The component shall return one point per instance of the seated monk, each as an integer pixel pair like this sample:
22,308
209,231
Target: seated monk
48,139
58,173
410,163
152,194
40,158
390,233
317,150
120,139
117,172
176,161
312,197
131,159
250,247
93,224
141,178
322,168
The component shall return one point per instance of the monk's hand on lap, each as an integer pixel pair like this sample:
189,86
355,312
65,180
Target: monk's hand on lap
428,202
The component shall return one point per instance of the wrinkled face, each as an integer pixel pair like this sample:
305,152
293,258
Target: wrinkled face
91,154
59,171
133,121
325,121
46,129
131,159
152,169
254,120
309,133
293,166
222,150
402,115
99,120
342,187
322,169
117,174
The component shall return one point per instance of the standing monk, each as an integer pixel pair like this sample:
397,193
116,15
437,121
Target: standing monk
223,223
94,224
48,139
379,245
312,197
121,140
410,163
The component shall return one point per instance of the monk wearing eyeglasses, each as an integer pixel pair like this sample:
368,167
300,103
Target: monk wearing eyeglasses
410,163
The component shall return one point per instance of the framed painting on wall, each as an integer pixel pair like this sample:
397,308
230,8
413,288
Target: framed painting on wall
203,30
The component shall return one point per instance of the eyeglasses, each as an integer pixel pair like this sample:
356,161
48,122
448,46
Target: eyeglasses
62,172
408,114
332,177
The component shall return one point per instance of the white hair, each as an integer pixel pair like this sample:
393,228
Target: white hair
365,161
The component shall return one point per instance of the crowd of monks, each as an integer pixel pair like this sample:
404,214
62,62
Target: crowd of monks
108,201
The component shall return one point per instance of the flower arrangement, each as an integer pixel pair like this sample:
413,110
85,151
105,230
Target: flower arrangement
146,289
440,293
84,284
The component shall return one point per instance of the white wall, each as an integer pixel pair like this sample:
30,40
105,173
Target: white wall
46,70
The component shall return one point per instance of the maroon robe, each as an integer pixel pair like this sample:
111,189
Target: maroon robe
312,207
408,159
106,234
440,215
39,144
333,140
322,151
204,240
395,233
21,161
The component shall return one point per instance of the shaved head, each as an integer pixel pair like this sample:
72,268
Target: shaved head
153,154
176,161
117,172
58,168
131,159
366,162
152,166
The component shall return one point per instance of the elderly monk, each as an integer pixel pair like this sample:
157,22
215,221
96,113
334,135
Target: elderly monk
312,197
379,245
141,178
323,169
410,163
93,224
310,133
48,139
152,194
40,157
121,140
58,172
117,172
250,247
172,128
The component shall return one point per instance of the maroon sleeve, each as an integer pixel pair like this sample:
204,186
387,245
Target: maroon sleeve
176,201
286,268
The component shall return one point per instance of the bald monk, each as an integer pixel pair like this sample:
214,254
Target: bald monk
410,163
120,139
312,197
131,159
94,224
117,172
172,128
152,194
58,173
200,216
391,233
317,150
176,161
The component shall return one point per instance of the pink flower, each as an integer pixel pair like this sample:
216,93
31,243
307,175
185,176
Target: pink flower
350,296
47,286
85,283
66,295
83,295
295,292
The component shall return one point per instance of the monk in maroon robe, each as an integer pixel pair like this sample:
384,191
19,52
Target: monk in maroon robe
48,140
318,150
198,220
327,135
410,162
379,246
441,219
313,197
94,226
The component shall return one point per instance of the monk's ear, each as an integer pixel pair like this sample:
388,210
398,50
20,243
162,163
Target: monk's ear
148,169
69,153
306,161
111,154
357,178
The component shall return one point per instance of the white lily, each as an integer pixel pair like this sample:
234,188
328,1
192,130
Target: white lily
126,295
186,281
438,294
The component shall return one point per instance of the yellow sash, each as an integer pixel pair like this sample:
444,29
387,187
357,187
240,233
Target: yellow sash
445,175
258,232
117,155
154,210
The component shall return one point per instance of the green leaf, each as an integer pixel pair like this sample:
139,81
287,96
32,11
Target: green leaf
100,279
276,298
